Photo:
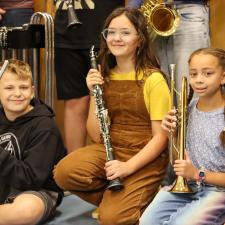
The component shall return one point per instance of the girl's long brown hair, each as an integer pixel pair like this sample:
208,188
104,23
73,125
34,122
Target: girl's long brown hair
220,55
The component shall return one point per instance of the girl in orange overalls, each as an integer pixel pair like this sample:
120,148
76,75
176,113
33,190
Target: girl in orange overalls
137,98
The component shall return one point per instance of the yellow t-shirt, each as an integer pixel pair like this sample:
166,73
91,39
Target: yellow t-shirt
156,93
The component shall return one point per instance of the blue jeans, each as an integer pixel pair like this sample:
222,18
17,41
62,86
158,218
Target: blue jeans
206,207
16,17
192,34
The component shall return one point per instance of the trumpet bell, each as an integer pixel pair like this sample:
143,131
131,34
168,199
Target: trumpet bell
181,186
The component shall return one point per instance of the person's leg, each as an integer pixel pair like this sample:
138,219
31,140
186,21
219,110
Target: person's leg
207,208
125,207
75,118
26,209
192,34
82,173
71,68
163,47
162,207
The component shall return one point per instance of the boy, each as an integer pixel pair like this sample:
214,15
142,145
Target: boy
30,146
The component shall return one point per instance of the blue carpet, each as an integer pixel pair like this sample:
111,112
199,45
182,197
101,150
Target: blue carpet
73,211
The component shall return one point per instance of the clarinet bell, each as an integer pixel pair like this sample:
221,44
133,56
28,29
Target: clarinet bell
72,17
115,185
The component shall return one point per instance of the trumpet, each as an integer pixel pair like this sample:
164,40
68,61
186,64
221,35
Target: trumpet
162,20
177,142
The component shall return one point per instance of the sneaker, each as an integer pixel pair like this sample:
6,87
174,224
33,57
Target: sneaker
67,193
95,213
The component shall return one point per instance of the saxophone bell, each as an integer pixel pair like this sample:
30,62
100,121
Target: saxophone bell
163,20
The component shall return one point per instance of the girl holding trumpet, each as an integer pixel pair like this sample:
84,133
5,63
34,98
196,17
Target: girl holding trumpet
204,166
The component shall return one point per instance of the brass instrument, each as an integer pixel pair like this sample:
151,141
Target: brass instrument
162,19
177,143
173,91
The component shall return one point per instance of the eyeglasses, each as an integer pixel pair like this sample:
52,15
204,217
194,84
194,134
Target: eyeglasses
109,33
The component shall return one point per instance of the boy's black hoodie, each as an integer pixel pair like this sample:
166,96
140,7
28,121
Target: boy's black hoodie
30,146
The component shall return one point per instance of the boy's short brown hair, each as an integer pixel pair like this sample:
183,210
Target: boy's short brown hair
20,68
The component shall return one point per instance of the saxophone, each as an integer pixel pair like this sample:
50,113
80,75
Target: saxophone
104,123
162,19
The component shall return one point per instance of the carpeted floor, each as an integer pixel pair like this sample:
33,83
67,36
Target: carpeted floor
73,211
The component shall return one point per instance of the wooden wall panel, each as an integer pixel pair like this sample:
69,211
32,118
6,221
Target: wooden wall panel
217,24
40,5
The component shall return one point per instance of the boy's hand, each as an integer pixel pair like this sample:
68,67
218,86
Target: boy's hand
2,11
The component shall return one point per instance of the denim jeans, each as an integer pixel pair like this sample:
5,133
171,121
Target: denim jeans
192,34
16,17
206,207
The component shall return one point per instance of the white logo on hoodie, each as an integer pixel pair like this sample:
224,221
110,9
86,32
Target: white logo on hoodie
8,142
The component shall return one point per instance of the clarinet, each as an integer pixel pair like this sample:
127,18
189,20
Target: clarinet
103,118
